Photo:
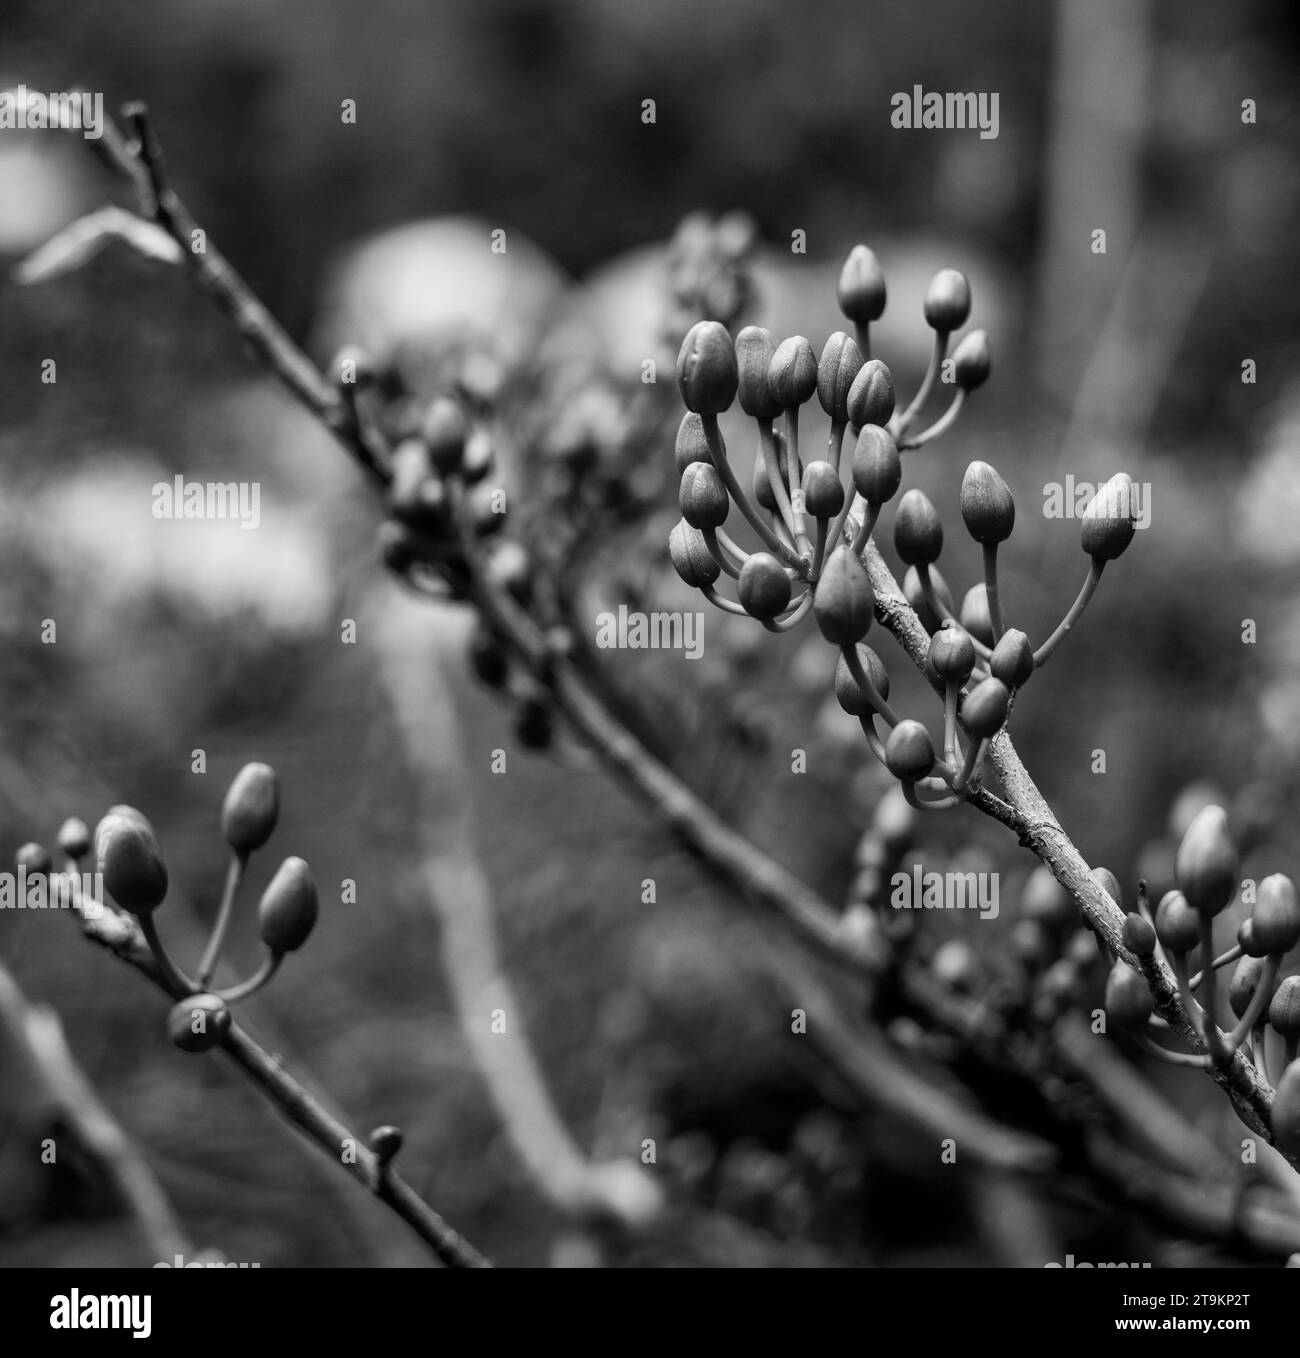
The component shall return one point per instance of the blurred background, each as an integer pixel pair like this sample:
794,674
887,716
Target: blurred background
172,638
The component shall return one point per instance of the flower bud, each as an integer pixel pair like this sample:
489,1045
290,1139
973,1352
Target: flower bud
975,616
1128,1001
755,348
841,362
871,397
1176,924
479,458
763,587
952,655
918,533
987,508
74,837
909,752
877,468
956,966
413,470
129,857
1284,1008
915,596
445,430
1013,658
850,697
703,496
707,376
1275,921
286,914
861,290
1110,520
691,557
1285,1115
35,860
251,808
510,568
1250,945
823,492
1110,884
1139,936
843,600
1046,900
971,361
792,374
198,1022
947,301
985,708
1245,978
1206,864
692,446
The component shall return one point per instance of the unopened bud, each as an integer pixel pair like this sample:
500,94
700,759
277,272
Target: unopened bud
1139,935
985,708
1110,884
1013,658
823,492
198,1022
841,362
877,468
909,752
706,369
763,587
445,431
692,445
918,531
843,602
1128,1001
35,860
975,616
1246,976
861,290
871,397
1176,923
1206,864
1110,520
792,374
987,508
287,911
947,301
915,596
755,348
850,696
74,837
251,808
703,496
1284,1008
691,557
130,859
971,361
1275,921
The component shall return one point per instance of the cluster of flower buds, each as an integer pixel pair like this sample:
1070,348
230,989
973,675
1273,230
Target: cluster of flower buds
814,519
1181,930
130,862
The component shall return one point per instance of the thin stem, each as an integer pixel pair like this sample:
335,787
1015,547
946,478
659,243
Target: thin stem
939,427
862,332
1222,960
742,501
820,555
950,691
719,601
217,940
1044,652
771,456
941,804
1258,1001
725,552
792,619
270,965
794,470
938,352
974,761
850,653
835,443
1170,1057
865,528
174,979
996,616
1210,1025
874,743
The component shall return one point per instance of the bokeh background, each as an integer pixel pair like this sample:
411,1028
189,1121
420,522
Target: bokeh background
172,638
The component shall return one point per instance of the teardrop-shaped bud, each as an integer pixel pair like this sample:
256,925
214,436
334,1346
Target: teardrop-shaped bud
843,602
1110,884
1250,945
691,557
287,911
763,587
755,348
1275,921
848,694
707,376
1046,900
1128,1001
840,363
692,445
947,301
1245,980
251,808
861,289
792,374
909,752
34,860
915,596
198,1022
871,397
823,492
74,837
1013,658
1206,865
445,430
703,496
987,508
1139,935
128,855
975,616
510,568
952,654
1285,1113
1177,927
985,708
971,361
1284,1008
918,531
877,467
1110,520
